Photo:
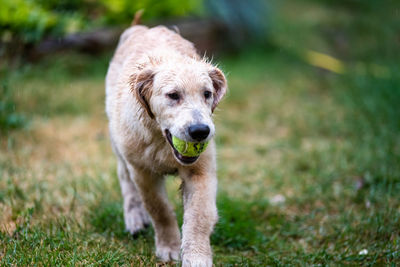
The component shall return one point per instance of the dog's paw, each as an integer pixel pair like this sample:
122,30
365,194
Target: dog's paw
166,253
136,219
194,260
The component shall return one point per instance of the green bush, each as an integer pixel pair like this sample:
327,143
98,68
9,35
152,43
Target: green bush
29,21
25,20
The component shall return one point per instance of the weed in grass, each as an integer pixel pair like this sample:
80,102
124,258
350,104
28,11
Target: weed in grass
10,118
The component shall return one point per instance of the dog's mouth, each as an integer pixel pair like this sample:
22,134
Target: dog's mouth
183,159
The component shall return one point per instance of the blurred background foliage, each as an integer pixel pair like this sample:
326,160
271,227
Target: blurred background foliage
352,29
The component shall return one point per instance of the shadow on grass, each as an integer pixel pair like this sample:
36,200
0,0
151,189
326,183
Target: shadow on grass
237,228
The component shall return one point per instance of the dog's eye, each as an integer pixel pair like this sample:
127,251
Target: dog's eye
207,94
174,96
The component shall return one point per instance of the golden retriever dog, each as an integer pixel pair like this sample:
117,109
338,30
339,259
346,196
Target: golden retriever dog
157,87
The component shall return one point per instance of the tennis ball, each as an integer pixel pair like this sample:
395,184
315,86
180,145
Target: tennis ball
188,149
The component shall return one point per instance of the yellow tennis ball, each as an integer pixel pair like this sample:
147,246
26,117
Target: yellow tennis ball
188,149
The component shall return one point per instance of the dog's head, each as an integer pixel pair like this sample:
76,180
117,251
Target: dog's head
181,96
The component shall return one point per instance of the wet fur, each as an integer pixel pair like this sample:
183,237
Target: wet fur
147,62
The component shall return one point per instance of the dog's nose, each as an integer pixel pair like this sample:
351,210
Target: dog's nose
199,132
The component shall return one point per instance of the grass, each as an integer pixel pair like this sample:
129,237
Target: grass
309,170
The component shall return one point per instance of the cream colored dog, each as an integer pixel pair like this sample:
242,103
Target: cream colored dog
158,86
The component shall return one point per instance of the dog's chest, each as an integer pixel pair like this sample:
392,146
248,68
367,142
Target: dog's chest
155,155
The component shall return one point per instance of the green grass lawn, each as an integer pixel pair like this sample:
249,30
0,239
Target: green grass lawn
309,161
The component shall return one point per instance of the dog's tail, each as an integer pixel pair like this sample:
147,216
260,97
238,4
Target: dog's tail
138,17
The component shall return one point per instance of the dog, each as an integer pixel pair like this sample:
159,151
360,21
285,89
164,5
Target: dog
157,86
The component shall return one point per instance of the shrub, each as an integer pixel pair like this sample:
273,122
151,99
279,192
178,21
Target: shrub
30,21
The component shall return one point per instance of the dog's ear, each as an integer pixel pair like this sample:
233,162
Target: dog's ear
219,84
141,86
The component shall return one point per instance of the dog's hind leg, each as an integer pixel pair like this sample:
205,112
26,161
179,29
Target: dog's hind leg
135,215
168,238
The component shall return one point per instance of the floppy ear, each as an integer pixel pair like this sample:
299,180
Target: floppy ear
219,83
141,86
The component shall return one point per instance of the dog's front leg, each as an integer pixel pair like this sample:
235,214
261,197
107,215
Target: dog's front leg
152,190
200,216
